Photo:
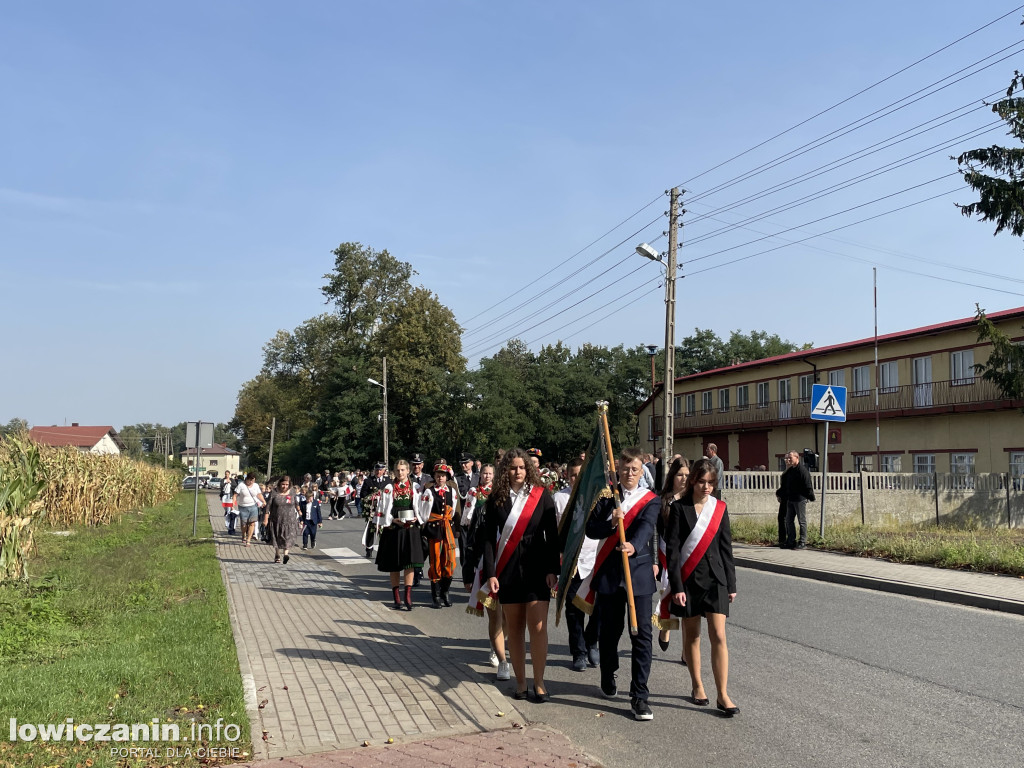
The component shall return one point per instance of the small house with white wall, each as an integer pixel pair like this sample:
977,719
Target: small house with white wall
103,440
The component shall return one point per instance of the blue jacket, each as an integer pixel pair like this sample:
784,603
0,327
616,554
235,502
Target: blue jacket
314,514
609,578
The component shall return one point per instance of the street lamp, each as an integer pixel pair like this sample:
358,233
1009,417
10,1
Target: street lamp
384,387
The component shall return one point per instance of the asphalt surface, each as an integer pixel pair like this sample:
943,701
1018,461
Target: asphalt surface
825,675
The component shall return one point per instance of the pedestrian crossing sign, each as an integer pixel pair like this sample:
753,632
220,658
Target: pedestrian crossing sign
828,403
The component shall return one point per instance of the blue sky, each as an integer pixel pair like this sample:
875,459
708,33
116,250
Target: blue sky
167,167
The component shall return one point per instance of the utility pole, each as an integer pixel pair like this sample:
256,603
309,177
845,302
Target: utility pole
670,326
386,414
270,458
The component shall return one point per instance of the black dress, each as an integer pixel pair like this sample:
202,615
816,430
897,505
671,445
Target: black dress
524,578
708,587
400,545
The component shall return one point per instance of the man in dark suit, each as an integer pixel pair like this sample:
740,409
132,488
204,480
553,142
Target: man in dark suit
416,474
640,507
465,480
795,490
373,484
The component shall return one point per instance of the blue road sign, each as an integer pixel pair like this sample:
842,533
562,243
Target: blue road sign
828,403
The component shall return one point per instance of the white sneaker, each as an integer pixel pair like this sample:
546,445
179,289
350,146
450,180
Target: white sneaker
494,659
504,671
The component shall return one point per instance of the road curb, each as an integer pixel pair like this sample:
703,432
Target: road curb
972,599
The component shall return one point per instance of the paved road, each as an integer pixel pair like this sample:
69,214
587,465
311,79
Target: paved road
825,675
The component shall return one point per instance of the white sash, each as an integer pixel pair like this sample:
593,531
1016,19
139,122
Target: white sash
707,514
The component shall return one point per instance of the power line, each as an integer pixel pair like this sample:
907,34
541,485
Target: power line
478,349
850,98
854,180
863,121
578,253
553,286
890,252
852,157
823,218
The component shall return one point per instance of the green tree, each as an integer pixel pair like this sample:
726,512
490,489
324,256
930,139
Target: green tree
14,427
997,173
1005,364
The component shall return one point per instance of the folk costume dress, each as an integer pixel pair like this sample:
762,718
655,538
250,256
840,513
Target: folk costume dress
437,505
282,520
401,544
520,546
700,561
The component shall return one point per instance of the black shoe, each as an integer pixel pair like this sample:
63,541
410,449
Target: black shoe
608,688
539,698
579,662
285,560
303,549
368,551
663,644
728,711
433,595
699,702
641,711
445,601
801,545
521,695
593,656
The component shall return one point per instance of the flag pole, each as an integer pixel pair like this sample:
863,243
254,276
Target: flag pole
602,409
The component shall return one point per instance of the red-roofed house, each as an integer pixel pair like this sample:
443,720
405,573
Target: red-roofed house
934,414
85,439
214,460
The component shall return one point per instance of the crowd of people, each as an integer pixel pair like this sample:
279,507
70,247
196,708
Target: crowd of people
496,527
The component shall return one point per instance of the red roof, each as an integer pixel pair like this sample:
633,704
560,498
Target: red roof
79,437
217,449
925,330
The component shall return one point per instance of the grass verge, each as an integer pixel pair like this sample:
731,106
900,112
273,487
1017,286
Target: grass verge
990,550
122,623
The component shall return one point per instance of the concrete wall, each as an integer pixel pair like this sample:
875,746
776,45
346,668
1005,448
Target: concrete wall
880,498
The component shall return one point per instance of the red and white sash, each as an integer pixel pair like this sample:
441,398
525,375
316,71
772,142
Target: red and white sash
700,537
511,534
663,618
586,595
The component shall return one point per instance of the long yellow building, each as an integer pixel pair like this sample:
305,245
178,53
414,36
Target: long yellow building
933,413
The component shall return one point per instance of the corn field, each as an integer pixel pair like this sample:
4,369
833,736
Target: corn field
66,487
20,486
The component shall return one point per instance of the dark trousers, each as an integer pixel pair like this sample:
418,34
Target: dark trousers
791,513
613,610
580,639
308,532
230,519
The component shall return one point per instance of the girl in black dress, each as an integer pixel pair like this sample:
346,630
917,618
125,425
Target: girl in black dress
709,588
529,571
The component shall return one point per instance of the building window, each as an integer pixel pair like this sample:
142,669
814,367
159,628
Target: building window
723,400
650,428
706,402
924,463
785,391
742,397
762,394
837,378
961,367
961,463
806,387
862,463
691,404
676,405
888,376
212,462
861,381
1017,465
892,462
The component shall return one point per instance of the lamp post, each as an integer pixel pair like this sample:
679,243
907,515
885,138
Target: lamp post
652,350
384,387
670,319
270,457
